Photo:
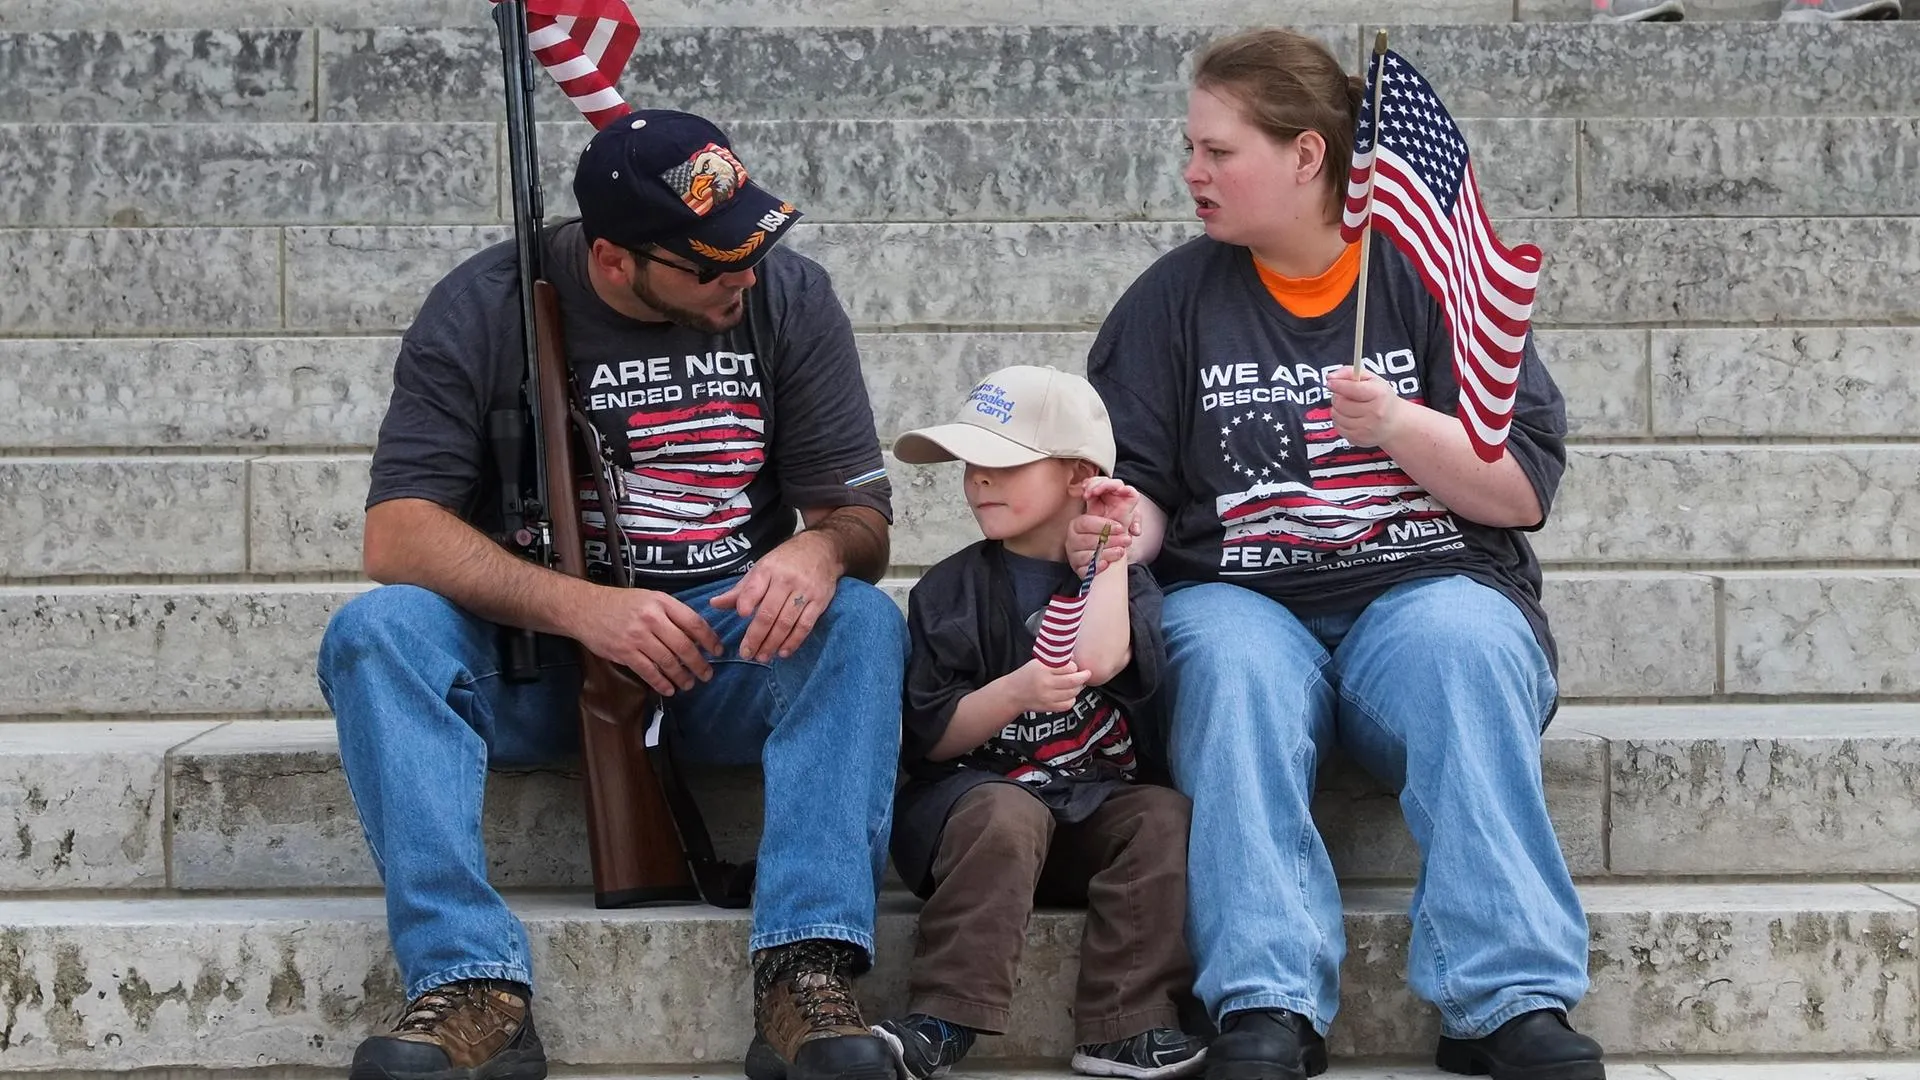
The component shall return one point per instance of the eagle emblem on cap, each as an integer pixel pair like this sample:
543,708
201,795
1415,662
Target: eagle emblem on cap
707,179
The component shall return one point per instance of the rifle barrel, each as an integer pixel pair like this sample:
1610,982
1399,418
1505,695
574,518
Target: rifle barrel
523,165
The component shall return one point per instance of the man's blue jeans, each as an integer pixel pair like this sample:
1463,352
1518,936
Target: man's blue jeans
1439,689
414,683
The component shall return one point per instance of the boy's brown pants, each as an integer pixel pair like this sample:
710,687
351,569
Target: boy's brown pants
1002,852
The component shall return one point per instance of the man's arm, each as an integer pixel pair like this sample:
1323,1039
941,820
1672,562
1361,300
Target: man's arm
417,542
860,536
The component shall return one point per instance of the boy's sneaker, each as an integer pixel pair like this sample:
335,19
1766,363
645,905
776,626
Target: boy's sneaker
1838,10
473,1030
926,1046
1625,11
1150,1055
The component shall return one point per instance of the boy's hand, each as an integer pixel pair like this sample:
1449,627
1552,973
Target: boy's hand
1112,507
1083,535
1035,687
1114,500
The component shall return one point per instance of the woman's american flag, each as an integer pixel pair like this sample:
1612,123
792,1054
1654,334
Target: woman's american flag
585,45
1426,201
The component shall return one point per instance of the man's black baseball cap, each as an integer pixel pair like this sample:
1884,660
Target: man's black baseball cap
656,176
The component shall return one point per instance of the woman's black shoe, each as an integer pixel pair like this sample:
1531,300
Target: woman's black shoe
1539,1045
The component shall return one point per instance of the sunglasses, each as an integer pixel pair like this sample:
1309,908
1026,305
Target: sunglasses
703,275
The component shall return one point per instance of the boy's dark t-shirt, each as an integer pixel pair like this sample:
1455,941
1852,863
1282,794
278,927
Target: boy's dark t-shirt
718,438
1220,408
970,620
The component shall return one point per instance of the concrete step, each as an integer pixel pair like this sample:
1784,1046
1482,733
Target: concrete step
1750,505
1010,170
925,170
102,15
85,806
1631,507
248,983
1757,790
1635,791
1613,272
1130,71
85,14
291,393
1533,69
247,649
264,805
836,170
1663,1068
818,71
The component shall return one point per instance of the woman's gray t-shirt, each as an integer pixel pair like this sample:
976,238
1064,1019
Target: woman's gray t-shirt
1221,412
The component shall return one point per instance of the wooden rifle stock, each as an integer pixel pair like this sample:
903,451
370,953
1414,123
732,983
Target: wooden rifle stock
631,835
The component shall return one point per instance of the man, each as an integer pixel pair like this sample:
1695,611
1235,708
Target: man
722,373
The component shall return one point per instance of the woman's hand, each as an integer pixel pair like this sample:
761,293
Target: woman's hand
1366,410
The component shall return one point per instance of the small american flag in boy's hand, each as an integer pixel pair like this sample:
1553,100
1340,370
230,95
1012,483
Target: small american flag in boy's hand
1060,622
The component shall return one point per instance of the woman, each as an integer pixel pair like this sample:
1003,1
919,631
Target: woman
1341,570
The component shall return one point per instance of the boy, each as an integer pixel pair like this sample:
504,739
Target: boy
1020,753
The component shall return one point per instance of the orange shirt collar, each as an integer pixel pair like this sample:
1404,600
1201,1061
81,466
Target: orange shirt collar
1312,297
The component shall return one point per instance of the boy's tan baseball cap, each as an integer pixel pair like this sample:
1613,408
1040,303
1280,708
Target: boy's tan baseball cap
1016,416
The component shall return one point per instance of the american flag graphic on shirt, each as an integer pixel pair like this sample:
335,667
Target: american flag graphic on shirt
1350,495
1039,747
690,473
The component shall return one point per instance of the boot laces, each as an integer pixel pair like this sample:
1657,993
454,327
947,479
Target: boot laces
820,974
446,1005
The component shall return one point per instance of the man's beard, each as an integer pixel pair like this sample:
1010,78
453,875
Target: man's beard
706,322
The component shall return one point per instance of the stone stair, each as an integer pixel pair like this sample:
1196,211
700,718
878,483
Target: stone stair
1732,792
213,225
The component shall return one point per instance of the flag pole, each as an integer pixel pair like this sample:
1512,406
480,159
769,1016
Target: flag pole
1374,66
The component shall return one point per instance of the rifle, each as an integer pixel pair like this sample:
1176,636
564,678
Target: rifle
644,833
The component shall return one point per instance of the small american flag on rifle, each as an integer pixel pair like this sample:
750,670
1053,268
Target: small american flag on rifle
585,45
1060,622
1425,199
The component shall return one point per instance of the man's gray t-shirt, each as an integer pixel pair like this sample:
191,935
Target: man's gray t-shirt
718,438
1223,418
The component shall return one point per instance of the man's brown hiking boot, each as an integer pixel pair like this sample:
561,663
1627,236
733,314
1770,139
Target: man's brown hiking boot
806,1023
473,1030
